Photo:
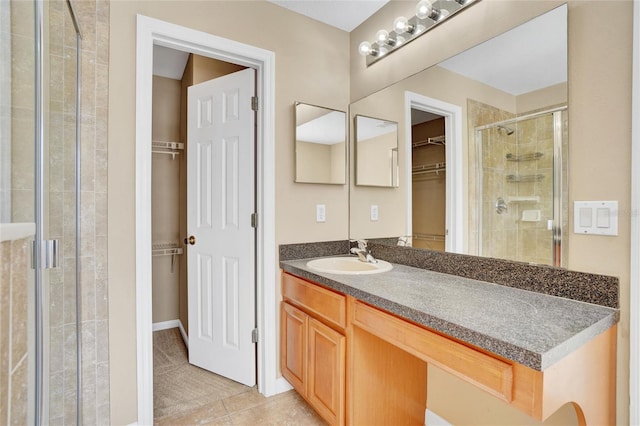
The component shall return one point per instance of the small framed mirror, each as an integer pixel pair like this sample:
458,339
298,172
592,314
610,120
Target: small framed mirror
376,152
321,148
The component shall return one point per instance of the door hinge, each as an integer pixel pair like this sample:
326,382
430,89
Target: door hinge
254,220
254,103
254,335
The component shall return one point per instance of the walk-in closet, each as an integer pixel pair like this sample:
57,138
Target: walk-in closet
428,180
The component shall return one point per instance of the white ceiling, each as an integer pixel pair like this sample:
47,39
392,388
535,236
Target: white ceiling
169,63
529,57
327,129
343,14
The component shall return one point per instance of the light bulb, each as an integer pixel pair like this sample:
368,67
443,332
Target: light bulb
423,9
365,49
401,25
382,36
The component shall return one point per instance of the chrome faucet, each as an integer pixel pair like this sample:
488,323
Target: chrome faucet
363,252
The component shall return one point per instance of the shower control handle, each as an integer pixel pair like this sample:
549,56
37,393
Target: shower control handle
501,205
190,240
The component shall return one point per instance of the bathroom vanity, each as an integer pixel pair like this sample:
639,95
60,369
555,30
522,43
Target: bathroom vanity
357,346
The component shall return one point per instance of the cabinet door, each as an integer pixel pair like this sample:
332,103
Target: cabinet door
294,346
326,376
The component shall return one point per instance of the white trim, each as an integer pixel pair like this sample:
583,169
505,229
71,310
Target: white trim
16,231
166,325
634,326
282,385
183,333
432,419
152,31
453,134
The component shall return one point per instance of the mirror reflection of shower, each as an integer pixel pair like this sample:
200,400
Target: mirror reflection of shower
521,187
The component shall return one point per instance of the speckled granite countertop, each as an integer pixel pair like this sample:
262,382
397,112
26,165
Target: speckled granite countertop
530,328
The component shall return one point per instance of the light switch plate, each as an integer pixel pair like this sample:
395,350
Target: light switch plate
595,217
374,213
321,213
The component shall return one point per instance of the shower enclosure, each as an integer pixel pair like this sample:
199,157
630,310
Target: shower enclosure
40,368
521,188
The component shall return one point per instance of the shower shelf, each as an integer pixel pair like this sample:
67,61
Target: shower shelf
524,157
523,199
524,178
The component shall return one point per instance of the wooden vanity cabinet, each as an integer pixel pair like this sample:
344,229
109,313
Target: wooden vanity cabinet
313,345
388,357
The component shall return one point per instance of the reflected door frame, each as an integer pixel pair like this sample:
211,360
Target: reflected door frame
455,225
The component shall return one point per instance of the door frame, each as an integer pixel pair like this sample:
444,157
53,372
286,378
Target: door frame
152,32
454,218
634,363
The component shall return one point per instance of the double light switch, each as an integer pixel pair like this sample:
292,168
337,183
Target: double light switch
595,217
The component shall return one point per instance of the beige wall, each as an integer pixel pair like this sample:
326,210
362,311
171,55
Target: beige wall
165,195
599,86
318,54
314,162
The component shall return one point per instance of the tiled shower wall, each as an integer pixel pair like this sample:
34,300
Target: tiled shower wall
60,197
93,16
478,114
14,361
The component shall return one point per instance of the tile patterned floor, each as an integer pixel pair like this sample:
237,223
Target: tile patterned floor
187,395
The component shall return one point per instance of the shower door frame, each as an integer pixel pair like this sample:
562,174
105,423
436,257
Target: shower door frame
558,252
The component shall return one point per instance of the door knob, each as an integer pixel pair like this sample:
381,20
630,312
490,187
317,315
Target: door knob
191,240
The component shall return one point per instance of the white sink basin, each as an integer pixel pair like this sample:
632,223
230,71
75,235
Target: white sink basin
348,265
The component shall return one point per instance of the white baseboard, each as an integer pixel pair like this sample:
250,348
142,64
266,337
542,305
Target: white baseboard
165,325
185,338
282,385
432,419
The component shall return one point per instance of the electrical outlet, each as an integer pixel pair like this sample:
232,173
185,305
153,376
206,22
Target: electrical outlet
321,213
374,212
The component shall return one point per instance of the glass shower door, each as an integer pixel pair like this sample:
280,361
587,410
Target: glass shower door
39,152
520,187
60,203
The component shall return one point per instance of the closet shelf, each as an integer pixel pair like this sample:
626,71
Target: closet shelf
167,147
166,249
429,168
429,237
437,140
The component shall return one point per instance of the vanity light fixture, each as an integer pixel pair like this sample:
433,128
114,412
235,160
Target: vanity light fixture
429,13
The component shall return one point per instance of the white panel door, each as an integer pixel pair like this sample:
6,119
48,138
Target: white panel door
220,198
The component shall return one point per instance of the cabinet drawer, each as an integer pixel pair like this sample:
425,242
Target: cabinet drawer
489,373
322,303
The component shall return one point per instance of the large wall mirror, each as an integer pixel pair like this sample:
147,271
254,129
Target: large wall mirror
320,144
482,151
